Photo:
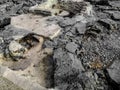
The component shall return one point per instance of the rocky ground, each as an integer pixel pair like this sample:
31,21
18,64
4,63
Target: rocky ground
86,54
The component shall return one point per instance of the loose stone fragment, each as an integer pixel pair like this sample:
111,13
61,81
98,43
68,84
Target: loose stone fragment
71,47
16,50
45,8
114,71
81,28
76,62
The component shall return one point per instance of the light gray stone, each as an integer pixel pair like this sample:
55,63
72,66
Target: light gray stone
36,24
114,71
71,47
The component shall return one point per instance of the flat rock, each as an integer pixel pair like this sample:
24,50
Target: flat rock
5,84
36,24
114,71
19,80
71,47
76,62
101,2
115,14
67,22
81,28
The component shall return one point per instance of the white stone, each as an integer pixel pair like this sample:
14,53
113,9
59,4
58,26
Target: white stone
16,49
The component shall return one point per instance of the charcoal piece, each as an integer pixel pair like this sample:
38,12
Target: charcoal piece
41,12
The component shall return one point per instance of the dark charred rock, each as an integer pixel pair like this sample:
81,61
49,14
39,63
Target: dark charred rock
4,21
99,2
11,31
40,12
115,15
108,23
79,63
112,84
15,9
93,29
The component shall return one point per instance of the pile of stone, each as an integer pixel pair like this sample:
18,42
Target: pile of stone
80,53
86,54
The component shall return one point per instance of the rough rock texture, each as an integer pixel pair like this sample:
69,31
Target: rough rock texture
114,71
36,24
15,80
86,54
10,86
95,45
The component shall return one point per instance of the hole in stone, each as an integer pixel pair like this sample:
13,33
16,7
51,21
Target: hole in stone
29,41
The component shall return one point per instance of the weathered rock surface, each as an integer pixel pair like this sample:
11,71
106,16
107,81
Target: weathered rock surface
23,82
85,53
96,49
16,50
36,67
5,84
36,24
114,14
114,71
